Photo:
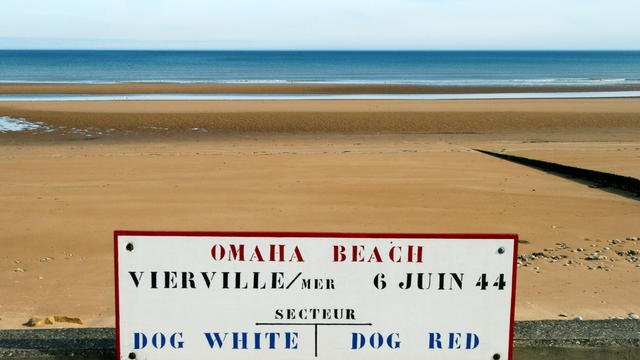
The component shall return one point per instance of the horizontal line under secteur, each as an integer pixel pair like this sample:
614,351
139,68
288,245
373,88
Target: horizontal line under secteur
317,323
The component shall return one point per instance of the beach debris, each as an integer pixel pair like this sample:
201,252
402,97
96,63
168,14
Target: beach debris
19,269
634,316
38,322
46,259
578,318
565,255
562,315
595,256
50,320
68,319
632,238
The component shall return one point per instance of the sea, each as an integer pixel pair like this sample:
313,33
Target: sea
446,68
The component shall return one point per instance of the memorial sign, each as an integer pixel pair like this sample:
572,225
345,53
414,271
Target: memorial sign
203,295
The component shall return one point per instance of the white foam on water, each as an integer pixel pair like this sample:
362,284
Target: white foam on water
8,124
560,82
165,97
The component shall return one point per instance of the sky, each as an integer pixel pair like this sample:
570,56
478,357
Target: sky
320,24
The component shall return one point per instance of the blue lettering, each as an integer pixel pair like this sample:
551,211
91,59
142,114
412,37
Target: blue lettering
272,339
434,341
176,343
291,340
253,340
214,339
454,340
139,341
357,341
472,341
467,341
239,341
154,340
393,343
376,340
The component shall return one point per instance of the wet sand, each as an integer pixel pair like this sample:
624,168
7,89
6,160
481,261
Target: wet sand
298,88
63,196
589,119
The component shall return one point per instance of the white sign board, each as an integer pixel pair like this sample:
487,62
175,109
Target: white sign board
314,295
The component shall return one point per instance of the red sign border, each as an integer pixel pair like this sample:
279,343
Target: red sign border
289,234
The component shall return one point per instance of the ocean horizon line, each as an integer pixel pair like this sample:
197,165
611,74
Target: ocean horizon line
317,50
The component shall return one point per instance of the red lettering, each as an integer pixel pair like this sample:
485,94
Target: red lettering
236,252
257,255
276,252
356,254
375,255
217,252
417,254
338,253
392,254
297,254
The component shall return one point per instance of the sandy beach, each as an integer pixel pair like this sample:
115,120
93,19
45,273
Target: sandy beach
351,166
